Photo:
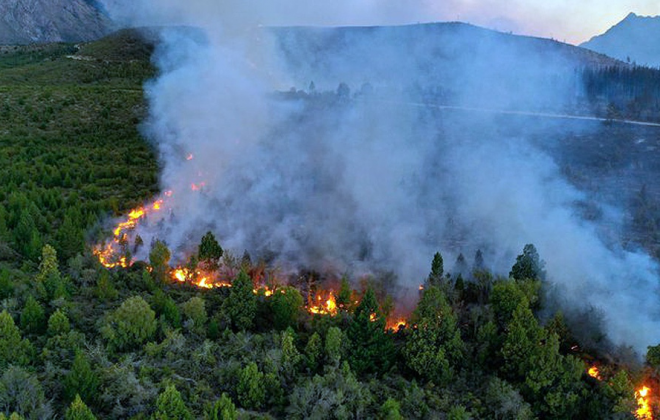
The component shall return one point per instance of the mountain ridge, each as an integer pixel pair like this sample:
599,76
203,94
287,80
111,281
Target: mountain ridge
634,39
44,21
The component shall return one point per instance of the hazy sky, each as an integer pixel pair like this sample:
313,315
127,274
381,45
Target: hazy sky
573,21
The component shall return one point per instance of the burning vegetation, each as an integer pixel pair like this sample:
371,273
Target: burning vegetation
206,271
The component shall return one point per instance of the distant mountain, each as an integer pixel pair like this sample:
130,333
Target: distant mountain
636,38
40,21
449,62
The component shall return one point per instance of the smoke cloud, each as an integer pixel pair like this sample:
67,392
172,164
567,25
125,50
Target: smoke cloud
371,180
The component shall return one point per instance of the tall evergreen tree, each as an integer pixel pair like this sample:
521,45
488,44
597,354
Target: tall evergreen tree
371,350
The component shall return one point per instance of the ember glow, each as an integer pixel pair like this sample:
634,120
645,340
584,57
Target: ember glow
112,254
594,372
643,411
321,306
396,324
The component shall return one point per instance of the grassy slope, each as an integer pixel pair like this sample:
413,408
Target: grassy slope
70,126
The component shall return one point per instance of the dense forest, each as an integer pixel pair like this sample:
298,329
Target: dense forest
81,341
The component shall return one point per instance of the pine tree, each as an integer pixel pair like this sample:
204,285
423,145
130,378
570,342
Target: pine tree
81,380
434,348
241,305
13,349
170,406
159,259
528,265
372,350
251,387
437,270
79,411
33,316
344,295
223,409
58,323
130,325
209,252
287,307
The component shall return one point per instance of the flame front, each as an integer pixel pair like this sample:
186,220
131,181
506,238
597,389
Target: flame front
643,411
594,373
327,307
396,324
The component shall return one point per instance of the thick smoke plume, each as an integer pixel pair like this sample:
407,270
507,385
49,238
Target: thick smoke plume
370,180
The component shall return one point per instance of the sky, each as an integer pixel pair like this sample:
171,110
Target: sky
572,21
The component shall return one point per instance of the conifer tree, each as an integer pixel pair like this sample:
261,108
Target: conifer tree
371,349
170,406
79,411
241,305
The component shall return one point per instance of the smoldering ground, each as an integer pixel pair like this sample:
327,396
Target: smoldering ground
369,180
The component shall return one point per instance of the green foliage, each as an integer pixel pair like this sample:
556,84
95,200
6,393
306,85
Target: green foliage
81,380
287,307
337,392
241,305
313,352
69,238
58,323
333,346
209,252
437,269
458,412
344,295
291,357
371,350
131,325
21,392
251,390
167,309
13,349
33,316
48,266
223,409
435,347
79,411
390,410
170,406
528,265
653,356
159,259
105,289
195,311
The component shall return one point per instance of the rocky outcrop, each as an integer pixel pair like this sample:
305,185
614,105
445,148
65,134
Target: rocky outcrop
41,21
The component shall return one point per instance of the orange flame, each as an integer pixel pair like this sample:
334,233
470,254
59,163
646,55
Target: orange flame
329,307
396,325
190,156
108,254
643,411
372,317
594,373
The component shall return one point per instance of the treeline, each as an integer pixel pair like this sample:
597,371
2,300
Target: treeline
132,343
623,92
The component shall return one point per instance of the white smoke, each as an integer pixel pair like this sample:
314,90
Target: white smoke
374,183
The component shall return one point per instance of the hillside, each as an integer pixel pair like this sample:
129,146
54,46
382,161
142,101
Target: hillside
634,39
454,62
43,21
80,339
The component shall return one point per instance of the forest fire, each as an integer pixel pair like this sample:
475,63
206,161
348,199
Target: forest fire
113,254
396,324
594,372
324,307
643,411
